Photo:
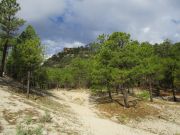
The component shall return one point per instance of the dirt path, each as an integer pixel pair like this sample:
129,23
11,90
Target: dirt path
79,102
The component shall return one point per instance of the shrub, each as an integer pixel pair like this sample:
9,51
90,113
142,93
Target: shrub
25,130
144,95
28,120
27,127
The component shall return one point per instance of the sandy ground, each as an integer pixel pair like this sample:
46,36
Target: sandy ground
73,114
84,120
79,102
15,109
167,122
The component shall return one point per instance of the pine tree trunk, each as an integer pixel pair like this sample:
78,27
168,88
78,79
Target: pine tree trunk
128,90
117,90
125,96
158,91
109,91
110,96
28,84
4,58
174,93
150,91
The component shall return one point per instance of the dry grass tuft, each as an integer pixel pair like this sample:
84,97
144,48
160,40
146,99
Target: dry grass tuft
11,117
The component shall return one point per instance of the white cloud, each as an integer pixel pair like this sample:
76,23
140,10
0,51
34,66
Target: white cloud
146,30
34,10
73,44
83,20
130,16
177,35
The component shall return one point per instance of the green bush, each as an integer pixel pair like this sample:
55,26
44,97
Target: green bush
27,127
25,130
144,95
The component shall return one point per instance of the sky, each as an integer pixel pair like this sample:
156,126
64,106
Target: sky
73,23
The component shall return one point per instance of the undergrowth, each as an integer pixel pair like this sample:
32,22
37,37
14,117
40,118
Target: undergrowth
144,95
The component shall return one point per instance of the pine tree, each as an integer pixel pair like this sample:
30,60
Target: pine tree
27,54
9,25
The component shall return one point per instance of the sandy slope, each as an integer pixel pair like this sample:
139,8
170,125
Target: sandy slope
72,113
83,122
94,125
8,102
15,109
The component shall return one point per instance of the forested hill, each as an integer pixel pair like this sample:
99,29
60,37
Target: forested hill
66,56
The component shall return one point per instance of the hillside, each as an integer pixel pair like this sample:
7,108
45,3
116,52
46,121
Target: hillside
65,57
